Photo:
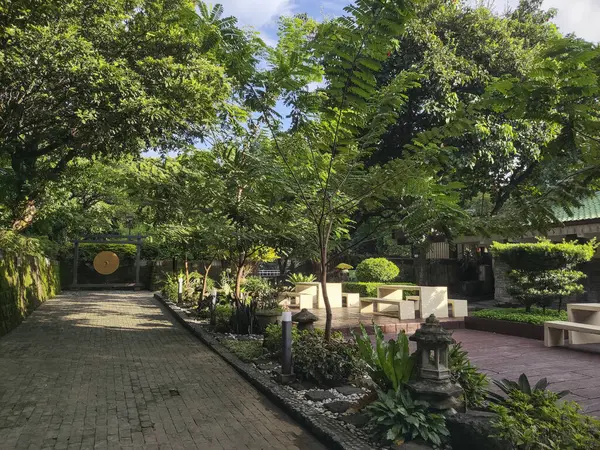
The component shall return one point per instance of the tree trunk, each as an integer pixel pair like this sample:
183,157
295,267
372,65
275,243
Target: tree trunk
329,314
206,270
187,272
23,216
238,282
560,302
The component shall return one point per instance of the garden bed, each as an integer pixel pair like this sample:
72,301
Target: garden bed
337,430
513,321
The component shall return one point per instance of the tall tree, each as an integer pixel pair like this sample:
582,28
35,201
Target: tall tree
91,78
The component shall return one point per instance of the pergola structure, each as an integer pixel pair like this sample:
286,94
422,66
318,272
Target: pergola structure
109,239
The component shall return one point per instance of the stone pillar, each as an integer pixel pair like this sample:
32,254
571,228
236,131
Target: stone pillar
501,294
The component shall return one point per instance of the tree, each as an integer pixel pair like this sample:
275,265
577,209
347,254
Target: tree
335,126
506,164
88,79
543,272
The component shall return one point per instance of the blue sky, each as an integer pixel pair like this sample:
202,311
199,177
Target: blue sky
579,16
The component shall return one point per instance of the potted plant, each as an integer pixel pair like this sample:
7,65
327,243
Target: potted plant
268,311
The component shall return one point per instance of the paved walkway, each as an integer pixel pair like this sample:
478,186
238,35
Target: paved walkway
109,370
573,369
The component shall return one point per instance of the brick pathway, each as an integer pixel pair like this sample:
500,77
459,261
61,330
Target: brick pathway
500,356
109,370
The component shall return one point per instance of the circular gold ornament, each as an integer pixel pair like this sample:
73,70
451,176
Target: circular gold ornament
106,263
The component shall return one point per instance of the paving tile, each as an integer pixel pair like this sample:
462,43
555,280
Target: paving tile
109,370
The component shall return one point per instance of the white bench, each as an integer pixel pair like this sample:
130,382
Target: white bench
406,310
554,331
352,299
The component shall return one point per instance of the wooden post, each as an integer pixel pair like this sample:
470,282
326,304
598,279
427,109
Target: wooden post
137,259
75,262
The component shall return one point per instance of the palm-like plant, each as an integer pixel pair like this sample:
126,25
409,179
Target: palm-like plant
522,385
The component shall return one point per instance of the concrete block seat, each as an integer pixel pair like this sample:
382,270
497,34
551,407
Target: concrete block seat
554,331
350,299
405,310
458,308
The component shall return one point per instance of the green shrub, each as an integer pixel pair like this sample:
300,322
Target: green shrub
247,350
272,341
125,252
536,316
223,318
395,418
521,385
473,382
300,278
256,288
376,269
389,364
543,272
538,421
366,289
329,363
191,290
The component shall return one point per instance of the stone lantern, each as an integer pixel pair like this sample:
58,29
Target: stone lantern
305,319
433,383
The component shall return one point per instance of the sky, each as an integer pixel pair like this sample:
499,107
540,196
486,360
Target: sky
579,16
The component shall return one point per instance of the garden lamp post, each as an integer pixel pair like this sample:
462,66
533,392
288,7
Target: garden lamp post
179,290
433,383
286,375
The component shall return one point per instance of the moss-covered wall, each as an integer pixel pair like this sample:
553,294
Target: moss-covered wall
24,284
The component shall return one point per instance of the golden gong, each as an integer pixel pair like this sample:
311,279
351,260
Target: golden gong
106,263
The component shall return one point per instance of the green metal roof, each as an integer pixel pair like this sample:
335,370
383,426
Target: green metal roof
589,209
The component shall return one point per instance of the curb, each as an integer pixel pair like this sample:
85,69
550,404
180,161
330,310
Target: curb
329,431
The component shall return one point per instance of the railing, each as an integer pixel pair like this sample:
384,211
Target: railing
269,273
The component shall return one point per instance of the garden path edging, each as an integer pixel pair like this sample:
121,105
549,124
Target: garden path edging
327,430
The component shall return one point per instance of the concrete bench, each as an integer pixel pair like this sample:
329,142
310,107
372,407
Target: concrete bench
459,308
298,299
351,299
554,331
406,310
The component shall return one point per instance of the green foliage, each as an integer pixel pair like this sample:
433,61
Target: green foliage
223,314
246,350
87,252
157,92
17,244
257,288
368,289
539,421
535,316
473,382
300,278
273,338
328,363
544,271
396,418
522,385
376,270
344,266
191,288
389,364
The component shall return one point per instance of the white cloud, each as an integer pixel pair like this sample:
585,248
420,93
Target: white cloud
581,17
257,13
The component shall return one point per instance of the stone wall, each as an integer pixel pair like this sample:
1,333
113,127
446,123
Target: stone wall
501,294
25,282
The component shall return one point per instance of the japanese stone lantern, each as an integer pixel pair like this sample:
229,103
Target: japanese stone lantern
305,319
433,383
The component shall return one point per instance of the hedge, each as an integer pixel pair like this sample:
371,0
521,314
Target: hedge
366,289
543,255
536,316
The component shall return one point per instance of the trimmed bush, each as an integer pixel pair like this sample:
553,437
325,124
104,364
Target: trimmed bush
543,272
376,269
273,339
